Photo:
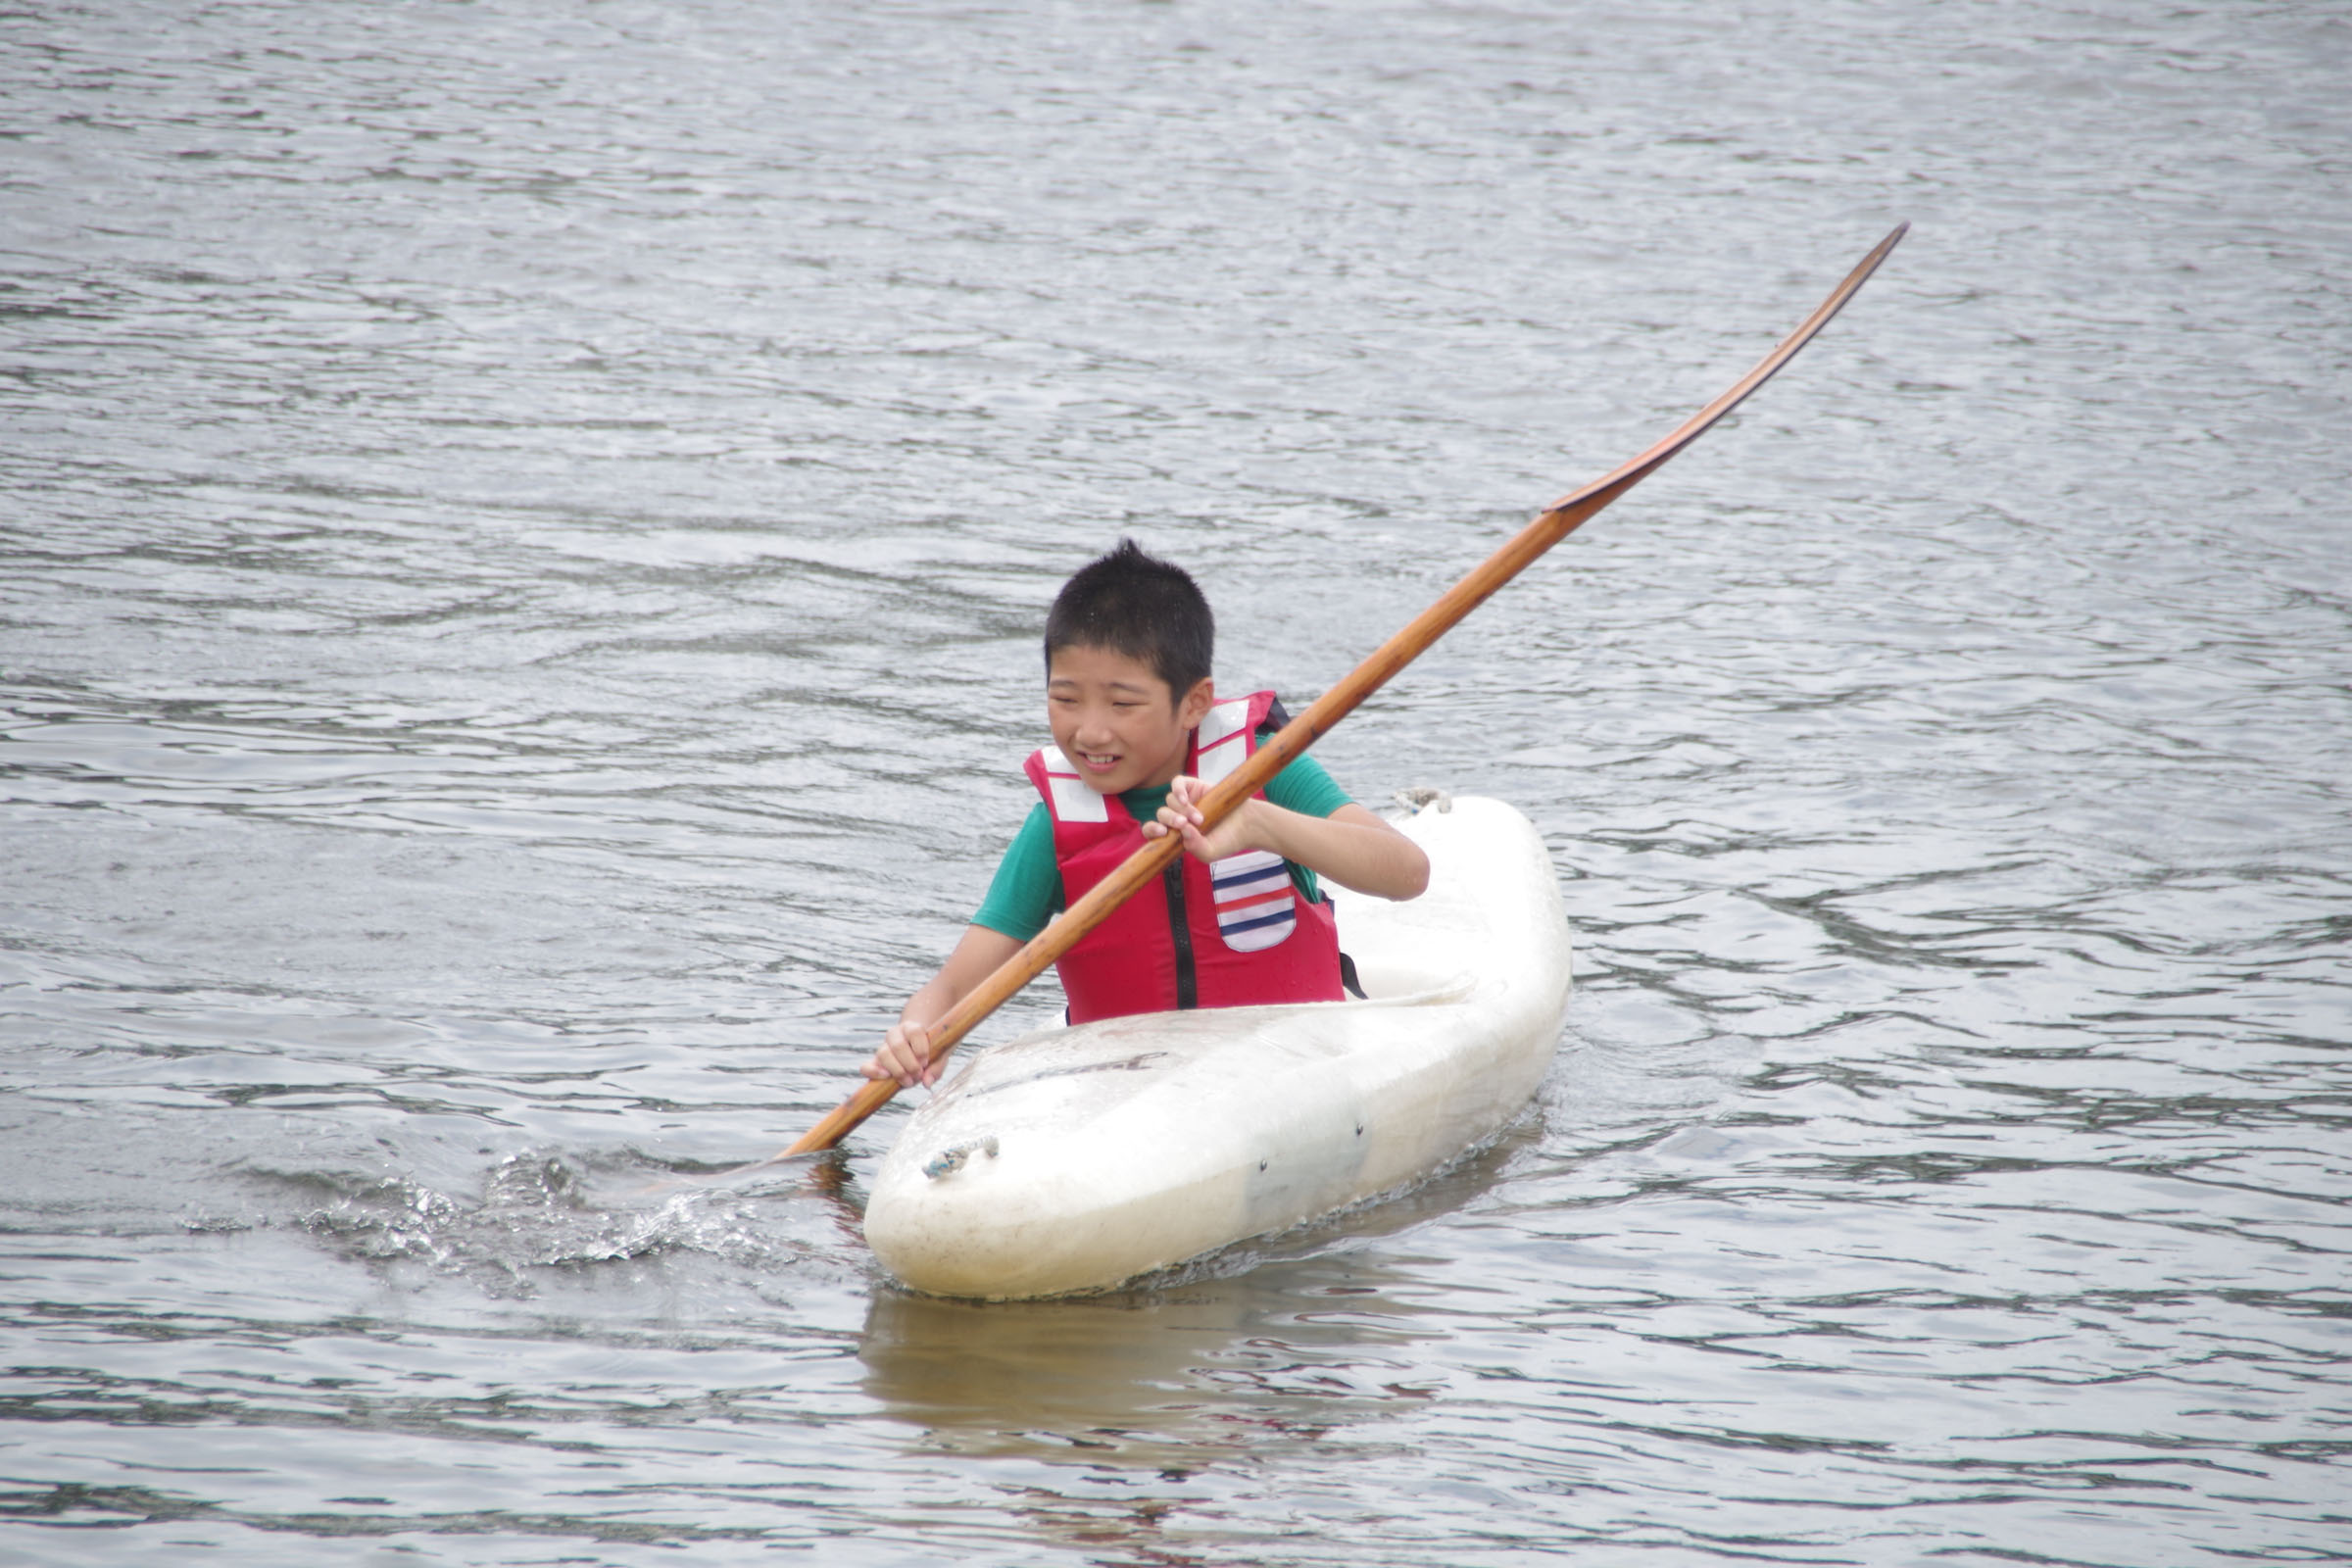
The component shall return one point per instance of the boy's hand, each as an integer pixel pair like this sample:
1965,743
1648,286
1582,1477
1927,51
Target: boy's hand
905,1055
1351,847
1182,817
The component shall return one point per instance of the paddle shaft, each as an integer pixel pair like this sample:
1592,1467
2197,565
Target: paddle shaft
1552,524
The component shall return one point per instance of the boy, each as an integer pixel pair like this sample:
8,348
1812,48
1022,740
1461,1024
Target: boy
1136,725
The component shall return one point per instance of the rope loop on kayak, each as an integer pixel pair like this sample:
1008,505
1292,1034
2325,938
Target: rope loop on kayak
1422,796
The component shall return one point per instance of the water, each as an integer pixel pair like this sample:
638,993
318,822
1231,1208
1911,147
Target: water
524,534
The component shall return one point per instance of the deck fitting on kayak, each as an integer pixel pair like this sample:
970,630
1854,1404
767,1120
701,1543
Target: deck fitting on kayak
948,1161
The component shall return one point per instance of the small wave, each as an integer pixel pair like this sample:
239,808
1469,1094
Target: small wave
534,1214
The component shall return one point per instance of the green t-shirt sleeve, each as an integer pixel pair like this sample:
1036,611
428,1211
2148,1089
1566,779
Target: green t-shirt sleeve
1026,891
1020,900
1306,788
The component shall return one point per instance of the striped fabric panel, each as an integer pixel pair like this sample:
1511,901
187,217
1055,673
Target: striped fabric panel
1252,894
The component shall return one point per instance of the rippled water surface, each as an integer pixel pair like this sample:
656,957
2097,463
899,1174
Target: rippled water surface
524,531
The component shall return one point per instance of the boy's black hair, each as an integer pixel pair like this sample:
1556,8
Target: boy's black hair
1139,606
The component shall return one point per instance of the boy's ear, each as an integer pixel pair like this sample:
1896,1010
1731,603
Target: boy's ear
1197,703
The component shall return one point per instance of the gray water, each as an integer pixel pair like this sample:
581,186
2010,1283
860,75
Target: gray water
524,532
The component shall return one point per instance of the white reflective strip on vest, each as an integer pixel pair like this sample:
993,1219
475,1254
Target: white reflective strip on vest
1073,802
1219,741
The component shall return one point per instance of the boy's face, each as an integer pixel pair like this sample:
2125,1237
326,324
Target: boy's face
1116,720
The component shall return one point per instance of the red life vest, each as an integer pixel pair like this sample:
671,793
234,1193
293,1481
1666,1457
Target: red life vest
1227,934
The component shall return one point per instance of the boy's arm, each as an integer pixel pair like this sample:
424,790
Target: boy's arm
1351,847
906,1053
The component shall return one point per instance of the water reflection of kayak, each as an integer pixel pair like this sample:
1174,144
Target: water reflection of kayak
1175,1376
1071,1159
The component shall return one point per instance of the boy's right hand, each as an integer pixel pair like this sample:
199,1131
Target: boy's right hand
905,1055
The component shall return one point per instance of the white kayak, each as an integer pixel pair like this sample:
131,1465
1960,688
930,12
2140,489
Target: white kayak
1071,1159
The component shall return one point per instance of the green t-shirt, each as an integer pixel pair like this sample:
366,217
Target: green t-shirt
1027,889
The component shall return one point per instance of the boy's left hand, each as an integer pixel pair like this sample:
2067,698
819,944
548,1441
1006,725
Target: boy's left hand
1182,817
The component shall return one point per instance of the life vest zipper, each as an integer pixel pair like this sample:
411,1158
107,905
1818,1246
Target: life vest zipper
1188,985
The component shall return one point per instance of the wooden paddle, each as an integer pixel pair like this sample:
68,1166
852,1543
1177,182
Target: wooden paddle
1554,523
